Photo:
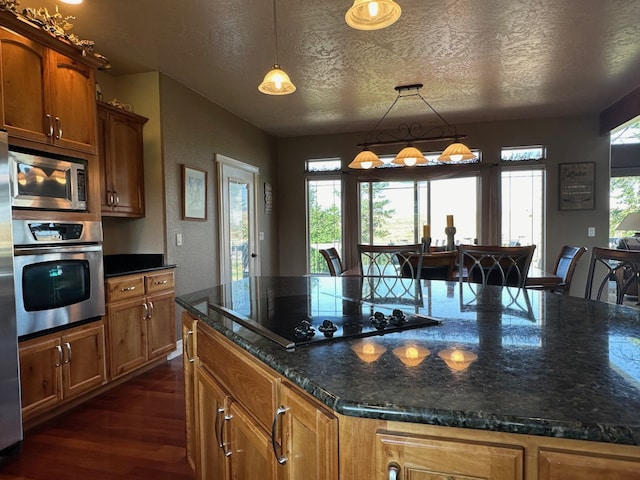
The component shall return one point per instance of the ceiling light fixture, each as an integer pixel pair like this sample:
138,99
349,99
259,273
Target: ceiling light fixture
411,134
276,81
372,14
72,2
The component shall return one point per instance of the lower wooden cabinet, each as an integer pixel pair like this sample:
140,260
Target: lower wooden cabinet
421,458
140,319
189,326
559,465
249,424
58,367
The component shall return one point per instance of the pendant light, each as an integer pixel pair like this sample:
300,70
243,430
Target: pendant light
72,2
276,81
408,135
372,14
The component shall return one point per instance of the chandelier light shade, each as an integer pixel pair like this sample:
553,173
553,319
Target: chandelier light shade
456,152
276,81
409,156
372,14
72,2
409,134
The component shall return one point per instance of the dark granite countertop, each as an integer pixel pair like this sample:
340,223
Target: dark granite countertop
125,264
546,364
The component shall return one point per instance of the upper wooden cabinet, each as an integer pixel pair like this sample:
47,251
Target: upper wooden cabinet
121,162
47,97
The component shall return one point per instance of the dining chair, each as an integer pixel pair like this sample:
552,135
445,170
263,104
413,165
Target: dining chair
619,269
495,265
564,267
397,261
334,263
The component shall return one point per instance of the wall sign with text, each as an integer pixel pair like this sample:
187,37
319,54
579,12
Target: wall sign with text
577,186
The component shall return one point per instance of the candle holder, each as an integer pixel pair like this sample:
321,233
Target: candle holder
426,243
450,231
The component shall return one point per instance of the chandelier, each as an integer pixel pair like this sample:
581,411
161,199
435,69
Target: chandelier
410,134
276,81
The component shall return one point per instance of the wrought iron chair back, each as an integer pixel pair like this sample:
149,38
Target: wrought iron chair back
620,267
393,261
495,265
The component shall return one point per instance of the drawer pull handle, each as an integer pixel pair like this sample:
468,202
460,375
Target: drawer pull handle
189,355
227,453
68,347
394,471
128,289
277,448
59,349
217,427
163,282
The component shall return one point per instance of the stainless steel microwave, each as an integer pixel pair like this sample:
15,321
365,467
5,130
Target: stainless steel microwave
47,183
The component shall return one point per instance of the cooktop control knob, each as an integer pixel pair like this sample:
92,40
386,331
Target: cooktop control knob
328,328
304,330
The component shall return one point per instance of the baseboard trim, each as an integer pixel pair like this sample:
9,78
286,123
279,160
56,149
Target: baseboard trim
177,352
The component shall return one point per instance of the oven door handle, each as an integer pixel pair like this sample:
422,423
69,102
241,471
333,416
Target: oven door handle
57,249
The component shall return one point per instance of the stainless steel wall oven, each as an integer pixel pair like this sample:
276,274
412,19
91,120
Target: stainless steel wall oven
58,274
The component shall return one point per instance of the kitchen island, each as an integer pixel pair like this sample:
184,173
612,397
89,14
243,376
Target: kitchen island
525,382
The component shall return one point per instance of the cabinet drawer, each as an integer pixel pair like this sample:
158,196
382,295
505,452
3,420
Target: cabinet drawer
251,385
121,288
159,282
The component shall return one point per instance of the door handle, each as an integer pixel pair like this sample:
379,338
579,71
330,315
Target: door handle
190,357
59,350
277,447
67,345
59,124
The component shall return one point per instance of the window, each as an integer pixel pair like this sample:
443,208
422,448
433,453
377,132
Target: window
324,219
394,212
523,209
324,165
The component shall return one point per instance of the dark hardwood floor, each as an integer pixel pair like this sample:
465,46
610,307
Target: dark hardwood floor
135,431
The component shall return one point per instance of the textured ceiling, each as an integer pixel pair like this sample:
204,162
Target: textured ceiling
479,60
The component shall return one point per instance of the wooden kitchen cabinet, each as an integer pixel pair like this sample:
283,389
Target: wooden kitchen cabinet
140,319
189,325
424,457
309,437
120,150
47,97
565,465
246,418
60,366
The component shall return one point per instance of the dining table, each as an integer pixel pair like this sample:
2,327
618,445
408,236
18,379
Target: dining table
537,277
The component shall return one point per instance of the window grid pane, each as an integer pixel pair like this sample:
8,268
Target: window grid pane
324,219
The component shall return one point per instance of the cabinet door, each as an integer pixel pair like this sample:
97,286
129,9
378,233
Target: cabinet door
188,361
252,454
576,466
106,187
212,406
429,458
127,336
40,374
22,89
84,362
73,103
161,324
309,437
125,151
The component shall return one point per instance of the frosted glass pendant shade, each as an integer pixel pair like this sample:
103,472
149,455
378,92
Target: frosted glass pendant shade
72,2
409,156
276,82
372,14
366,159
456,152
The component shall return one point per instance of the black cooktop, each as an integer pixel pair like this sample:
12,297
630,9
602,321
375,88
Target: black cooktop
322,310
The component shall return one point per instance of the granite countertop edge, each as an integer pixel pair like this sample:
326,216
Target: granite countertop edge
618,434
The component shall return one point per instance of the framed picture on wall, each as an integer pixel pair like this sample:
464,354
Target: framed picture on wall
194,193
577,186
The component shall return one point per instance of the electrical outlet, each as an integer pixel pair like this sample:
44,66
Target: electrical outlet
179,239
591,232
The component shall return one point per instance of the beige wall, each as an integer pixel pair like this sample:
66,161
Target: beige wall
571,139
193,132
